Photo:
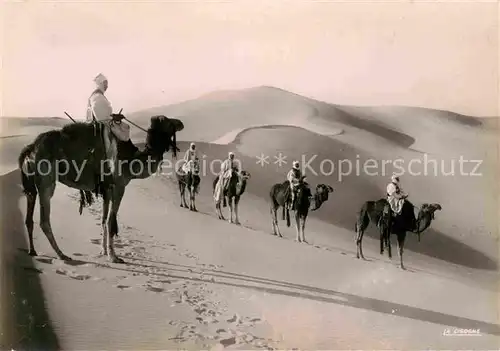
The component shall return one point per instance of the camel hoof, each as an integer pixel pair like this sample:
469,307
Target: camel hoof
116,259
182,205
103,253
237,223
32,253
305,242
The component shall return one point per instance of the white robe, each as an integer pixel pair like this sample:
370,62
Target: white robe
191,162
224,176
293,178
395,197
101,108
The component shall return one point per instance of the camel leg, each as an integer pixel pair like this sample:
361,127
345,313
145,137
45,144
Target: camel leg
231,209
272,210
359,243
46,193
193,199
182,190
104,222
401,243
297,227
31,202
382,241
117,197
388,244
236,202
274,218
218,210
190,191
302,222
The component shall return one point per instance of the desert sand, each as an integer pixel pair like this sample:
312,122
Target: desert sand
192,281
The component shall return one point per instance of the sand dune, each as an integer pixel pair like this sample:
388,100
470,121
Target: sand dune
192,281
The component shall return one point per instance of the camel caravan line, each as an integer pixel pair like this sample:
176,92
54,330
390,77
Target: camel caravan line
92,143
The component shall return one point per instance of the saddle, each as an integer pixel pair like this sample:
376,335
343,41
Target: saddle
105,147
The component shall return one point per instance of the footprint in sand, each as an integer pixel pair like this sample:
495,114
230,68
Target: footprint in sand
153,288
122,287
72,274
138,249
95,241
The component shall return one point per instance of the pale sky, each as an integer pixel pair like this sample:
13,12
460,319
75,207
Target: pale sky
438,55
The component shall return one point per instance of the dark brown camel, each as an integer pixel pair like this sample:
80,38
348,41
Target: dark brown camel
189,180
304,202
380,212
80,147
236,188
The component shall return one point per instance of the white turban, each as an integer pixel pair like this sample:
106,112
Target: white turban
99,79
395,178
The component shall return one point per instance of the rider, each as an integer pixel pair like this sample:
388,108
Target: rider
224,176
397,197
294,176
99,109
190,155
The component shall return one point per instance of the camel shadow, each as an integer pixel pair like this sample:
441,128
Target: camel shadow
29,325
284,288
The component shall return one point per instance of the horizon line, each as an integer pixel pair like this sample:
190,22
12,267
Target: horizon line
200,96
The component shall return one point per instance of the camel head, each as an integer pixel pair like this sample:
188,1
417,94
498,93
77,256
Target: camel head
320,196
425,217
428,210
245,175
162,133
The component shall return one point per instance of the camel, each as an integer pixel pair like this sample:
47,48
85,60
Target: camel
80,147
189,180
380,212
236,188
279,194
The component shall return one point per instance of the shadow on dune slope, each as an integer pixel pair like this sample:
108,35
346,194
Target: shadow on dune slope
379,128
350,190
27,324
240,109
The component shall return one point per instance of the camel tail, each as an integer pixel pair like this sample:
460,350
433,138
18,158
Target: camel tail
27,179
287,218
